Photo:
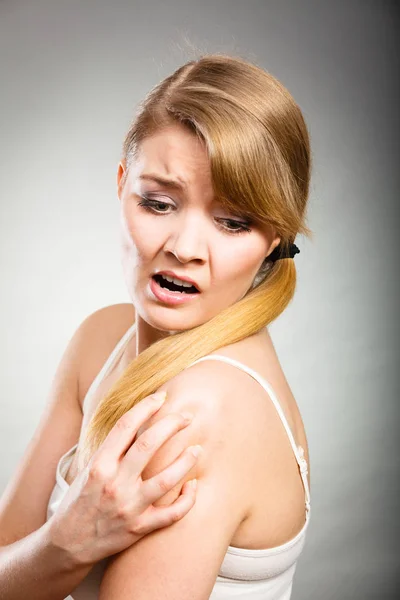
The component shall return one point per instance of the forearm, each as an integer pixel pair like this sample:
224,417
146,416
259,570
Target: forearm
35,565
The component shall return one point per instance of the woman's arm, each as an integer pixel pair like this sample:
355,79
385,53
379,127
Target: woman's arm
51,561
182,561
23,503
36,555
35,567
30,564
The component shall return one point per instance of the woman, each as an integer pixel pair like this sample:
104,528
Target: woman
213,186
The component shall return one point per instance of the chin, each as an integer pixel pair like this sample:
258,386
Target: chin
172,328
169,323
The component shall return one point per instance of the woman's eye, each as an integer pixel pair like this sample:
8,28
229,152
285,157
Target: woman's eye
235,227
154,205
227,225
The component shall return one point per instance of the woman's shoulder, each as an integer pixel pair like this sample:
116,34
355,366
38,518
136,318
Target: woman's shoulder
101,331
243,436
213,389
229,402
231,376
230,414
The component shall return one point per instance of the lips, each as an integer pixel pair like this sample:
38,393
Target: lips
190,289
181,277
168,297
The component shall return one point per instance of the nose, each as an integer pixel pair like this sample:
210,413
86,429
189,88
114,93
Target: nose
187,241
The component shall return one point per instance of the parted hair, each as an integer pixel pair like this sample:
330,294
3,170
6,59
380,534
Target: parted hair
259,151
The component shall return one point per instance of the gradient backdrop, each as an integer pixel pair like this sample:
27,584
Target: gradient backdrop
72,72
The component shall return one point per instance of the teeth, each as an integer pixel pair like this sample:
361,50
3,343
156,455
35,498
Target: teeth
177,281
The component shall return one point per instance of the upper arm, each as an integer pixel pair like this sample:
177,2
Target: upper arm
23,504
182,561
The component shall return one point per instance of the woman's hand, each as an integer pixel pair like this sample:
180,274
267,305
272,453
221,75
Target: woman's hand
108,507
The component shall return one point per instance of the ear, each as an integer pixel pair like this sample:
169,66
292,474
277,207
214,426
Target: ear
121,176
275,242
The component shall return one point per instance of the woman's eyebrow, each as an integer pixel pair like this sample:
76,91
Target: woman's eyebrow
166,181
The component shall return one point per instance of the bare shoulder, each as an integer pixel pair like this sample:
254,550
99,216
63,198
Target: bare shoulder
247,455
224,399
215,388
101,331
228,410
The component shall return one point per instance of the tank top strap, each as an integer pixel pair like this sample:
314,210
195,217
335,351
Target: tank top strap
111,360
297,450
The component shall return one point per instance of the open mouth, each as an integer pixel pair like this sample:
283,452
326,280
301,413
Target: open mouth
174,287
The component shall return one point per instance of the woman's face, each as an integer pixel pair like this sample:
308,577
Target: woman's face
171,222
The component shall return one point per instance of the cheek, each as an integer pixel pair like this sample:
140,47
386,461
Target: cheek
235,273
241,263
141,237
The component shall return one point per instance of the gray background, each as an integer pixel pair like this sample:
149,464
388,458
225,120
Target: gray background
71,74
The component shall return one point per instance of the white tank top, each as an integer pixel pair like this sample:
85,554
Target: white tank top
245,574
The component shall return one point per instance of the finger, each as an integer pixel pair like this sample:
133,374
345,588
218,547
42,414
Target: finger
121,436
147,444
163,516
154,488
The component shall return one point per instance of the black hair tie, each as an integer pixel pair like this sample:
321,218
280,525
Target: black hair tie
278,253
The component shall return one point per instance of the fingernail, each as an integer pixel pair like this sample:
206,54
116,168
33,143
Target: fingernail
187,416
196,450
193,484
160,397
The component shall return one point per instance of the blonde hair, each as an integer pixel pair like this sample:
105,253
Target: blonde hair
259,151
